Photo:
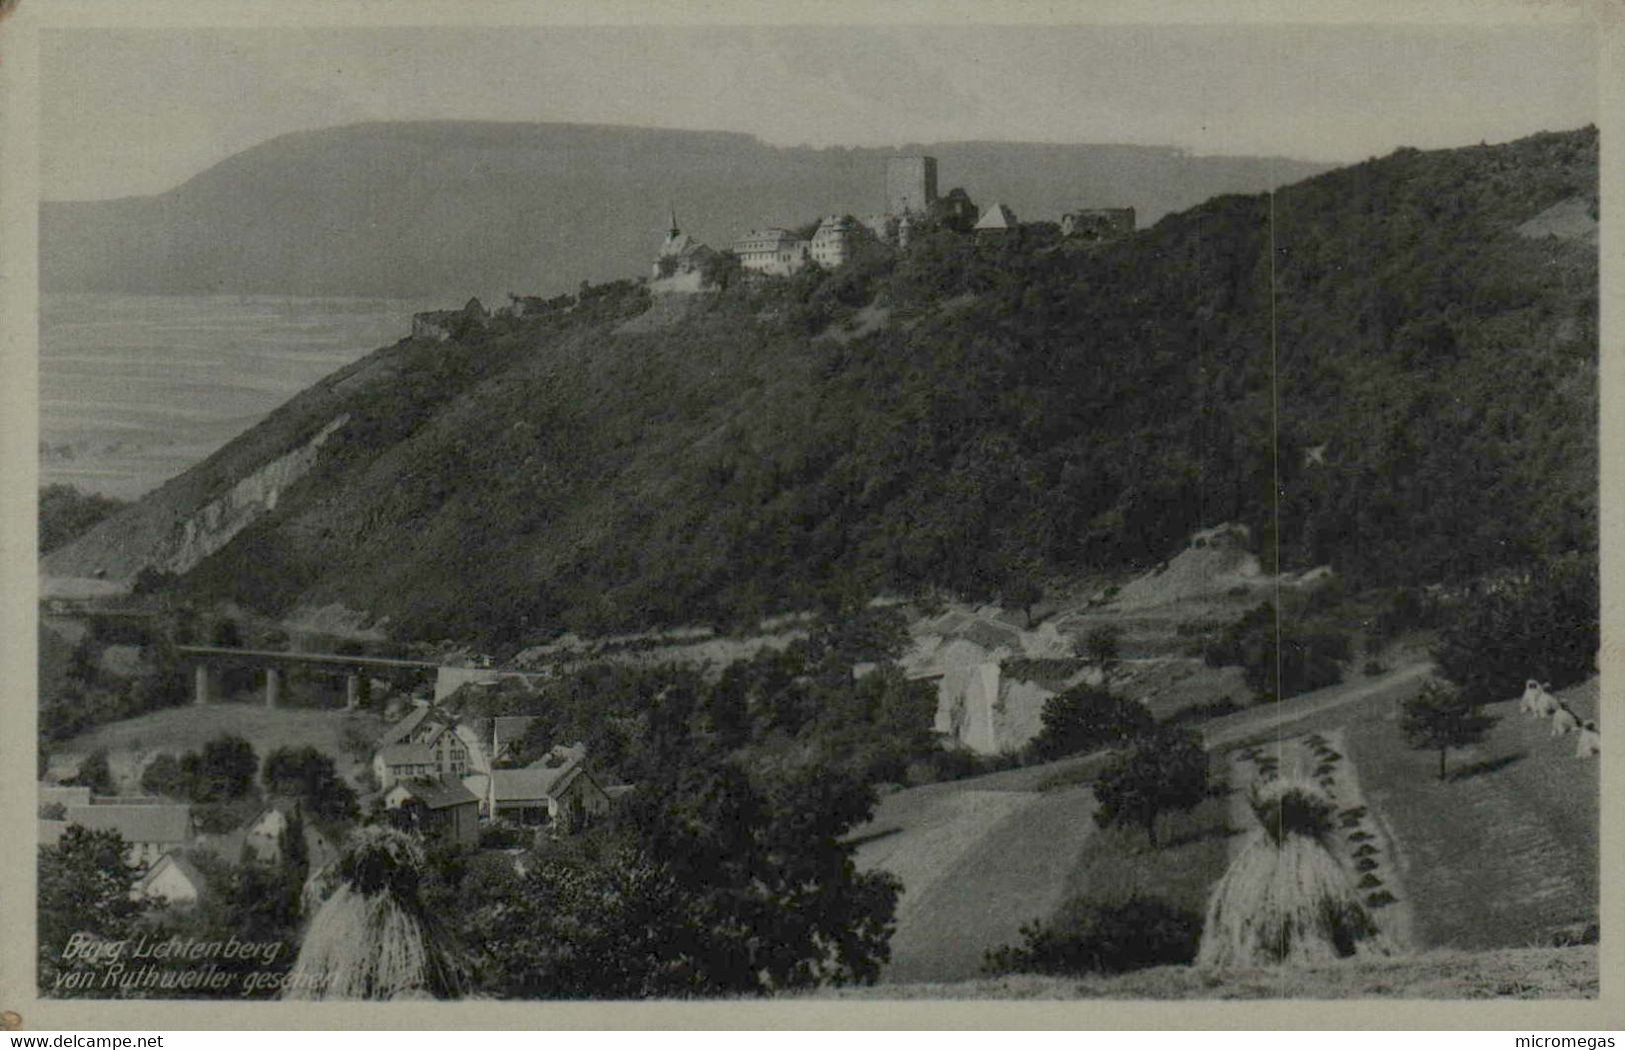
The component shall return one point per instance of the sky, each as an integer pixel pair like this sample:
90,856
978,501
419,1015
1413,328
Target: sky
137,111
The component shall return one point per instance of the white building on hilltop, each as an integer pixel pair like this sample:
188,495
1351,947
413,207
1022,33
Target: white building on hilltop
773,250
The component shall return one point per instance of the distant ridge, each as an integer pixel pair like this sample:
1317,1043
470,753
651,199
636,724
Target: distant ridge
452,208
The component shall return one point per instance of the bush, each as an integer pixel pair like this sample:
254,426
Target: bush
163,776
1091,937
218,818
503,835
223,770
1086,717
1284,659
96,774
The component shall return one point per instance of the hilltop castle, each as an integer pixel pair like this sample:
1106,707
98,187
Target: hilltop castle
911,198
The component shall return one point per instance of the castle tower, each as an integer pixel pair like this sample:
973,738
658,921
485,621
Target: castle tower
911,184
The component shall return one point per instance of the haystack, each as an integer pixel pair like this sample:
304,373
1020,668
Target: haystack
1285,898
371,939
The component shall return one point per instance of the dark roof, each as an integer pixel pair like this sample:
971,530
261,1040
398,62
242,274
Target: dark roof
406,754
438,793
165,823
63,795
531,784
504,728
403,729
508,728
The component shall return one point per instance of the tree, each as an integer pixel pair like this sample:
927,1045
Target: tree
710,885
164,776
226,635
1160,772
309,775
223,770
1440,718
294,853
1086,717
1102,647
1545,627
96,774
85,888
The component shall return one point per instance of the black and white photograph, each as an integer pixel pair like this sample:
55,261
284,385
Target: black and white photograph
748,509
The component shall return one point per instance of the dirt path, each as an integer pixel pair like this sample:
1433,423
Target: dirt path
1254,722
1003,874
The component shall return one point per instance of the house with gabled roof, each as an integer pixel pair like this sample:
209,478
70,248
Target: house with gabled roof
150,831
439,807
174,880
557,789
403,762
429,742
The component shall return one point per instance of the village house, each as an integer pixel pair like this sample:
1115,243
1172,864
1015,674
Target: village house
261,839
149,831
263,836
399,762
439,807
174,880
428,742
774,251
556,790
431,742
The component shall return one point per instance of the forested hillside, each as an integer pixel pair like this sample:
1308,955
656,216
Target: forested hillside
1417,374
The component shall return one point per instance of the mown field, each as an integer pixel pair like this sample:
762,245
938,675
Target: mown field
1499,856
1118,863
133,742
1504,851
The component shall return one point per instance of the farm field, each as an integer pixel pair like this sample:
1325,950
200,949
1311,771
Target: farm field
978,858
1515,832
1192,855
975,872
133,742
1501,854
1504,851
